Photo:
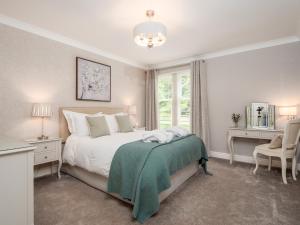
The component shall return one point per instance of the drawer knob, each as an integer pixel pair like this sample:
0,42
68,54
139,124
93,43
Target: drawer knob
45,157
45,147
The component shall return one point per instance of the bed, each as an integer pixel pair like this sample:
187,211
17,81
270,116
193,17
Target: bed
93,167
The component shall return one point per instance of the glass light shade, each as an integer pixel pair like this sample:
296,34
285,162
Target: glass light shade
288,111
150,34
41,110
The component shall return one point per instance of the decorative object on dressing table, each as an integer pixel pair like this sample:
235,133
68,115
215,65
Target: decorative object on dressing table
260,124
235,118
260,116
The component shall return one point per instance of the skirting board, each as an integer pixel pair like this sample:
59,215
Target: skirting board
246,159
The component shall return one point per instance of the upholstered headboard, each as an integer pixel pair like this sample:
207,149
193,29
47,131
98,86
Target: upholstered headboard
63,126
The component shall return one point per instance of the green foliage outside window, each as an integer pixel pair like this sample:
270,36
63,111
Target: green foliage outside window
165,98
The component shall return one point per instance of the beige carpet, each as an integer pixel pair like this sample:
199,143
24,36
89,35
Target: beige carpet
232,196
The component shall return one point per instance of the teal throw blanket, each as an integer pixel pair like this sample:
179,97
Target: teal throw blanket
140,171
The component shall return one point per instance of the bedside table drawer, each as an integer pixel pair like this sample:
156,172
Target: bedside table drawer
44,157
47,146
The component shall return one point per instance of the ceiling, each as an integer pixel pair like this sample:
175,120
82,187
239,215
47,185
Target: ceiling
194,26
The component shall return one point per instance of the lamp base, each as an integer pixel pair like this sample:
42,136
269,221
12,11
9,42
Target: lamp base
42,137
291,117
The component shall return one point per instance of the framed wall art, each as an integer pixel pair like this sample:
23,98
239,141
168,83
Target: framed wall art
93,81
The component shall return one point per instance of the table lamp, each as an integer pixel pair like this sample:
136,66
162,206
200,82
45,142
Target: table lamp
132,112
289,111
42,110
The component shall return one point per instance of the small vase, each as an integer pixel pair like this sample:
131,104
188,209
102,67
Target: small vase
236,124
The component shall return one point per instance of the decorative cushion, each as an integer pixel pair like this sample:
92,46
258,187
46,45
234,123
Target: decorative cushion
276,142
112,122
124,123
77,123
98,126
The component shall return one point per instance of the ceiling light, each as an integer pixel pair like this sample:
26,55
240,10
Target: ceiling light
150,34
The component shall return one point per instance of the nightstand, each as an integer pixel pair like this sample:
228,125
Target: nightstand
47,150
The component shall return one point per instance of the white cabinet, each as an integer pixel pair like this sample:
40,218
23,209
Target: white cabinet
16,187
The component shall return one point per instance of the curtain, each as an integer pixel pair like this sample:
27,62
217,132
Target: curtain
151,109
199,105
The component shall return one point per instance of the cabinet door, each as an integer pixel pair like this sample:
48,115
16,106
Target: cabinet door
16,189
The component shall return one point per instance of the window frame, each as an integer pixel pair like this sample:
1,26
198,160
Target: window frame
176,96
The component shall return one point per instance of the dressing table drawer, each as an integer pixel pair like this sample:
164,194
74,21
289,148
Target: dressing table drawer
244,133
269,134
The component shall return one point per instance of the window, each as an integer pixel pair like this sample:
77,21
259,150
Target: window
174,99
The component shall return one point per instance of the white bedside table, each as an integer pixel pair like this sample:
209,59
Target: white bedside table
47,150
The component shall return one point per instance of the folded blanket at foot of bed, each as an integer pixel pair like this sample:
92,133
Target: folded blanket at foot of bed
178,131
165,136
140,171
160,136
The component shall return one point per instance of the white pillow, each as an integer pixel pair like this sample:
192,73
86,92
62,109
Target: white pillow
68,116
78,123
112,122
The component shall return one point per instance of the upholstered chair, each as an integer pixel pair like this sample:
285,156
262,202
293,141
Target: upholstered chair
287,151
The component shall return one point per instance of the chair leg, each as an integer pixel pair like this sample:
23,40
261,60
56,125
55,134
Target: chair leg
294,167
283,169
270,163
256,161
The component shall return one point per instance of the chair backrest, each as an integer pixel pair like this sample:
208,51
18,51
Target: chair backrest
291,134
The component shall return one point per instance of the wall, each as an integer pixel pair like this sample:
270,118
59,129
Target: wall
266,75
36,69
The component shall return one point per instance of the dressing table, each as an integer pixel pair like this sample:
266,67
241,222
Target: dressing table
260,124
266,134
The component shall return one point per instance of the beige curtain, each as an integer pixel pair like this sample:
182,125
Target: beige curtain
151,111
199,101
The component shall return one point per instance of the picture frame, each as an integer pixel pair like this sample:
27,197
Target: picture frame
93,81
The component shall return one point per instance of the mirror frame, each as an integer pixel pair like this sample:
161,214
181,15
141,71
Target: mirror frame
270,119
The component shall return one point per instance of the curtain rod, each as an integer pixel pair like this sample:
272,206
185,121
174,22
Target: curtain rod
173,67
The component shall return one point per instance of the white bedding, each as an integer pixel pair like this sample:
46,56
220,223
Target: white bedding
96,154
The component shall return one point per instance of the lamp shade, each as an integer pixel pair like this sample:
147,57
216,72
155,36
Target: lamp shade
288,111
132,110
150,34
41,110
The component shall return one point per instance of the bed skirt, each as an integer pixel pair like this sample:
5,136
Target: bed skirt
100,182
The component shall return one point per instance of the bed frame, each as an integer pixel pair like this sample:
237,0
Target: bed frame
100,182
